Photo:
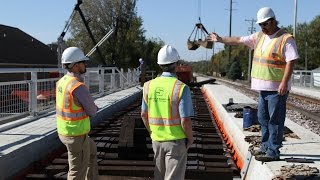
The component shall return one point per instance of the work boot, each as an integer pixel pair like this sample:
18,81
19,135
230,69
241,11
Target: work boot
257,152
266,158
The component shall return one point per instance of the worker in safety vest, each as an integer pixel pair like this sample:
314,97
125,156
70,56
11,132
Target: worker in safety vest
275,53
74,106
165,111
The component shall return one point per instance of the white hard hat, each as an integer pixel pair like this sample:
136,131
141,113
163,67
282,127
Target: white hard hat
140,60
264,14
167,55
73,55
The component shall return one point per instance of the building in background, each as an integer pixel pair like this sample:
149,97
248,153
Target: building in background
20,50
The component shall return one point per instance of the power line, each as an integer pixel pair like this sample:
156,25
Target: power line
251,29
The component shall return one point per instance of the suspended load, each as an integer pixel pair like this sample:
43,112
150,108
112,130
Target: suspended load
198,38
204,43
193,44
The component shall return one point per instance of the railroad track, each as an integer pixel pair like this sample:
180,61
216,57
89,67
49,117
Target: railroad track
293,101
305,98
125,149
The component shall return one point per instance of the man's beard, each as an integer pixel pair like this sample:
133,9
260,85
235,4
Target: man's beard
266,31
84,71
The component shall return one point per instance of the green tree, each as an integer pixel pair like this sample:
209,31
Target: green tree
126,45
313,40
235,70
307,40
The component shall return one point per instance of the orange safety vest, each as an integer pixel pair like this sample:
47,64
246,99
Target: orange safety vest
72,120
269,65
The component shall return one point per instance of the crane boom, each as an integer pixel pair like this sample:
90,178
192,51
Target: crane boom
95,48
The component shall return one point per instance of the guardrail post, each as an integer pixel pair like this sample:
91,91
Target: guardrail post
312,80
87,79
101,81
113,82
121,78
129,77
133,76
136,75
301,78
292,79
33,90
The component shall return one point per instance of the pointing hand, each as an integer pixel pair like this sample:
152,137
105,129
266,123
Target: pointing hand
214,37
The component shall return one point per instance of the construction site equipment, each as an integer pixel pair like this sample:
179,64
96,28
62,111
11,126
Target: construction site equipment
105,37
199,34
61,45
184,73
30,98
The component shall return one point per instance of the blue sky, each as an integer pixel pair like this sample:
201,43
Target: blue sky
170,20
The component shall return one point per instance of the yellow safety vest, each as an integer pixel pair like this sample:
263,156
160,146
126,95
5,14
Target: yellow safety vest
269,65
72,120
162,95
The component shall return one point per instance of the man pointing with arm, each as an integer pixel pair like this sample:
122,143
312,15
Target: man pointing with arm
275,53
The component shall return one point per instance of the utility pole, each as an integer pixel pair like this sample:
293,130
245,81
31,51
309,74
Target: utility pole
212,59
219,71
306,56
251,30
295,17
230,28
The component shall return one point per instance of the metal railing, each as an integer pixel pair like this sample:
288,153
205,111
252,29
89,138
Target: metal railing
31,91
309,79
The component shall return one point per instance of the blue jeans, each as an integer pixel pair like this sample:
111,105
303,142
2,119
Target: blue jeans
271,116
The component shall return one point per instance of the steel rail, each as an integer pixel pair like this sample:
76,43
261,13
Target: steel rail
312,115
125,149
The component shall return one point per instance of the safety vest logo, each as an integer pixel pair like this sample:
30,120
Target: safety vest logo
60,89
159,91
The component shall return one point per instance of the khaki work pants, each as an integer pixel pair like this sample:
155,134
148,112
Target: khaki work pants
82,157
170,159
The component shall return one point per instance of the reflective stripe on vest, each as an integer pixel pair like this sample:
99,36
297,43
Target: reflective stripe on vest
269,65
71,118
163,96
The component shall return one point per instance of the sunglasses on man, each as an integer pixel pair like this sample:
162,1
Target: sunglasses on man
84,62
265,23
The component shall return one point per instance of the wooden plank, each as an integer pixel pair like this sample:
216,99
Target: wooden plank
126,133
125,163
110,177
36,176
